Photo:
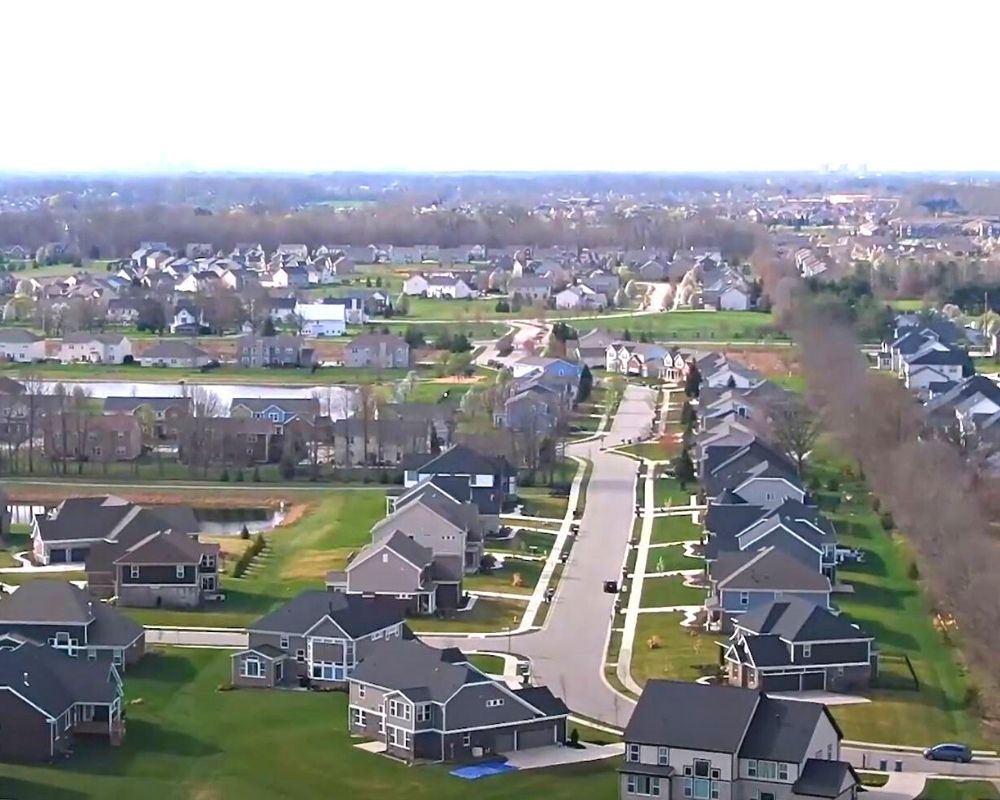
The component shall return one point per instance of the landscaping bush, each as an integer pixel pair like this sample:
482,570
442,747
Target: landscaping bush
887,522
574,738
245,533
248,555
239,476
914,571
876,504
833,485
813,483
224,477
256,475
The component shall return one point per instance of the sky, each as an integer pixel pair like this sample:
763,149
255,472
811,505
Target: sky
430,85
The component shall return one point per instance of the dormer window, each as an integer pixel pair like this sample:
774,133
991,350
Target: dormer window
495,703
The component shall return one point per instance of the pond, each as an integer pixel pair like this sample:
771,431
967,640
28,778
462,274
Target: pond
213,521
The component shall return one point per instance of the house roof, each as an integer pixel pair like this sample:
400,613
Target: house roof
781,730
84,337
111,517
377,339
692,716
53,681
769,569
300,406
174,349
357,616
457,460
18,336
166,548
822,778
409,664
120,404
796,620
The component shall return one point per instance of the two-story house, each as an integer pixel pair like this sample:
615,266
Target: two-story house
792,645
94,348
273,351
21,345
466,475
48,699
102,439
377,351
158,417
756,472
58,614
162,570
175,353
688,740
532,408
281,411
316,638
432,704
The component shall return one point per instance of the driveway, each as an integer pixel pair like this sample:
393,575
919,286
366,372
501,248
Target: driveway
568,654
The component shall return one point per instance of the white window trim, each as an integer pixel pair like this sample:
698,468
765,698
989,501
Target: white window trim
133,571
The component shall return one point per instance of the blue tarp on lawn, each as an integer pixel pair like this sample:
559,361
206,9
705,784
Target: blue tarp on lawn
474,772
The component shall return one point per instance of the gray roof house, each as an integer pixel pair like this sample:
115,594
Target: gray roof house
795,645
48,699
720,742
378,351
316,638
433,705
59,614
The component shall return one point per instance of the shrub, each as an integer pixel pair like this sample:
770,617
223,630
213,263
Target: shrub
248,555
654,643
224,477
245,533
239,476
914,571
813,483
286,468
876,504
886,520
833,485
256,475
574,738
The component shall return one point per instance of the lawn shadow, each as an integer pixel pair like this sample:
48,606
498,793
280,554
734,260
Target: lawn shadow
163,665
92,756
17,789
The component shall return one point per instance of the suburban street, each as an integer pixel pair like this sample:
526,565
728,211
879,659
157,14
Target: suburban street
568,653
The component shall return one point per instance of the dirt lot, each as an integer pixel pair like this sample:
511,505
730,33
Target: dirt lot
212,496
772,362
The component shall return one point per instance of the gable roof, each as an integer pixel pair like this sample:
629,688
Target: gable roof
781,730
357,616
767,569
796,620
165,548
409,664
692,716
52,681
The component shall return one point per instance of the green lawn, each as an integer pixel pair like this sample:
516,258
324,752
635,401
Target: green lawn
474,330
890,605
487,615
436,392
908,305
654,451
794,383
694,325
668,490
665,559
16,578
491,665
662,592
530,542
502,578
539,503
681,654
943,789
188,741
674,529
224,374
298,557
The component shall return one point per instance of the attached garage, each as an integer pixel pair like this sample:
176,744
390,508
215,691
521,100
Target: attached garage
779,683
57,555
78,554
503,741
538,737
814,680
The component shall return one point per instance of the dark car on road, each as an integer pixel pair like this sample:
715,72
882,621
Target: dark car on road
949,752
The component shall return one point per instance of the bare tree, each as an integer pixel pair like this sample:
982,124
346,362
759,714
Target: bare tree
795,428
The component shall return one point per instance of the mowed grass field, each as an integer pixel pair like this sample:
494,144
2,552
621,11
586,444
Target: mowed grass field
694,325
187,740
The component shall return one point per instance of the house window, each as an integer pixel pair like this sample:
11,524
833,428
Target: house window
751,768
300,656
133,571
466,740
702,768
251,668
633,753
283,642
782,772
829,752
700,789
360,717
399,737
274,416
807,651
424,712
494,703
767,770
361,691
327,671
767,796
744,598
179,571
663,756
643,784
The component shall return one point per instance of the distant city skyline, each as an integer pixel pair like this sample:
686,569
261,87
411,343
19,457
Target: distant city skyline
551,86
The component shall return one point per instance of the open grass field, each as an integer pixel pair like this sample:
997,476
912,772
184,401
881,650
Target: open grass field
188,741
298,557
664,592
687,326
674,529
668,491
942,789
502,578
488,614
680,654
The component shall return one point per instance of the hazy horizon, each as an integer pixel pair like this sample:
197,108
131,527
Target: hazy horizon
111,87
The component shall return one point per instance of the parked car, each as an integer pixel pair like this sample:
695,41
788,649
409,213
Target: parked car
949,751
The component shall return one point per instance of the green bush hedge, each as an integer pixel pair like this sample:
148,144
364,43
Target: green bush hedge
248,555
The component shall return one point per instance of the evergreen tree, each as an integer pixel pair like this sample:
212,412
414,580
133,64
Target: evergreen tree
692,386
586,384
267,329
684,468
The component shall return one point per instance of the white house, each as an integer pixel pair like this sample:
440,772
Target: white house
20,344
448,286
415,285
176,353
322,319
580,296
94,348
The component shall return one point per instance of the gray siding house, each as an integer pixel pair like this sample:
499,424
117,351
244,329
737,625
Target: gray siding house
315,639
377,351
433,705
686,740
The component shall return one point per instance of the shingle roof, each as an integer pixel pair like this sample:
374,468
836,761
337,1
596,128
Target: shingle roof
409,664
165,548
357,616
796,620
822,778
767,569
692,716
54,681
174,349
781,730
18,336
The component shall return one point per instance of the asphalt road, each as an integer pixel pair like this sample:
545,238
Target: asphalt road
567,655
870,758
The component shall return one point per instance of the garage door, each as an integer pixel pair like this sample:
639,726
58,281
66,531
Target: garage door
78,554
536,738
780,683
814,680
57,555
503,741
